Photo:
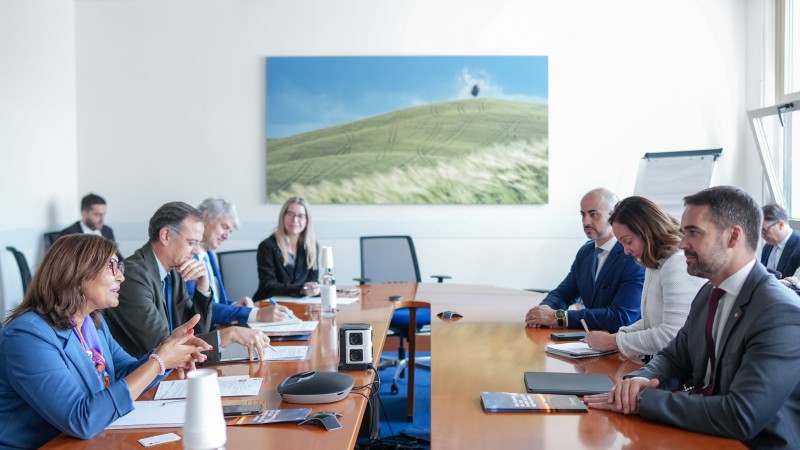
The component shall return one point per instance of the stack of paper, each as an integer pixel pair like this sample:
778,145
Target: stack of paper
231,386
288,353
315,300
286,329
153,414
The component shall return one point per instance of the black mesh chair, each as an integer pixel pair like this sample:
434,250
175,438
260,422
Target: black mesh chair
50,238
24,268
239,272
393,259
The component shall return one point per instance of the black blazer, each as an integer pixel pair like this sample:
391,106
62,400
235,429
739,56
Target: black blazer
276,279
75,228
106,231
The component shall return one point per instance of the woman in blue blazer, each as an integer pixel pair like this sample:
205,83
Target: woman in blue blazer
60,368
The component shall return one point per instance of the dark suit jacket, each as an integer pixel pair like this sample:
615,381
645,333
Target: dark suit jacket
613,301
756,396
790,257
106,231
276,279
140,321
75,228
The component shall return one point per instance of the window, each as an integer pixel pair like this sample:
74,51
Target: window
776,128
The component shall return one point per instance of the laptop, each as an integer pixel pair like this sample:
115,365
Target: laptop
567,383
232,353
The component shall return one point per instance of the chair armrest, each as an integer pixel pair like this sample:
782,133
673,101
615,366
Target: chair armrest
441,278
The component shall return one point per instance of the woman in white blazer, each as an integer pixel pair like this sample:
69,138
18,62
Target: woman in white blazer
651,235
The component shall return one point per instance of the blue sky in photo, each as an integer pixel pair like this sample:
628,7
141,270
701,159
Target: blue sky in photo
310,93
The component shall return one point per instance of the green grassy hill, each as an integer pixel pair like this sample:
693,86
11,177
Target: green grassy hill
443,140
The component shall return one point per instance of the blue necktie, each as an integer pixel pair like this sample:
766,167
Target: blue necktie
597,251
168,297
223,298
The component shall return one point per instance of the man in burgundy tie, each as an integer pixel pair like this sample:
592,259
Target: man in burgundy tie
733,368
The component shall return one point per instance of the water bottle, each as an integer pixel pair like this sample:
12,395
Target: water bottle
328,284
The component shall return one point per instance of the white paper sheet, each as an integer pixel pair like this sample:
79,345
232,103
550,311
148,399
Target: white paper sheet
232,386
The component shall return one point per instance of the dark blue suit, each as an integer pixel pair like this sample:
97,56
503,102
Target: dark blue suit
612,302
224,312
790,257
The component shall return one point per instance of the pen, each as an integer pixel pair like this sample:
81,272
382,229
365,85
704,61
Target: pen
583,322
271,300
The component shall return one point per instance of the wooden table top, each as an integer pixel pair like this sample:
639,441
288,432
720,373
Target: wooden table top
488,349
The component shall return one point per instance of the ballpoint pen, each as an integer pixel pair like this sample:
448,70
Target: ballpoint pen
271,300
585,327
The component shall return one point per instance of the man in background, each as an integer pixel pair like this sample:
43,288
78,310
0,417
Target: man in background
606,280
781,253
93,218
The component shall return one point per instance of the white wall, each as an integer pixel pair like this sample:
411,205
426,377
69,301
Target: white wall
170,106
38,172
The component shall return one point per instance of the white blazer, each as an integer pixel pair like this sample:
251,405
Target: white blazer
667,295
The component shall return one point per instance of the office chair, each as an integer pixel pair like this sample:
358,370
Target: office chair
239,272
50,238
24,269
393,259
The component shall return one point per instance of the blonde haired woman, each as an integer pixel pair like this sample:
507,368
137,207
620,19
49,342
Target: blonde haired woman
287,260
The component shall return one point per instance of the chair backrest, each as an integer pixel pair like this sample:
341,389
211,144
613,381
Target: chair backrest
239,272
389,259
50,238
24,269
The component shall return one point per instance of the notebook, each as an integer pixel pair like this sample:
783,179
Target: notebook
567,383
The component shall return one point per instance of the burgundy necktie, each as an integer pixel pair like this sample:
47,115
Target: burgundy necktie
713,303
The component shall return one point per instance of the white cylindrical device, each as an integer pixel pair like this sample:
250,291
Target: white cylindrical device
204,428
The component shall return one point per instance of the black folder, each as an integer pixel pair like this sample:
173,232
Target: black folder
567,383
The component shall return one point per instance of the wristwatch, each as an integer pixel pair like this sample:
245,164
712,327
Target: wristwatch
561,317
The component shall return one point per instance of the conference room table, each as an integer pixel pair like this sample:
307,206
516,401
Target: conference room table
487,349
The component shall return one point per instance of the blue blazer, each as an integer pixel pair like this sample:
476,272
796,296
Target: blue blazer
49,385
790,257
224,312
613,301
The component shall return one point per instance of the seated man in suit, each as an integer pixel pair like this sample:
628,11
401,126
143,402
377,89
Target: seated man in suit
603,277
93,217
220,219
736,355
781,252
154,300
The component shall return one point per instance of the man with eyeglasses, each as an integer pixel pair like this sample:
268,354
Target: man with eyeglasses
781,253
220,219
154,299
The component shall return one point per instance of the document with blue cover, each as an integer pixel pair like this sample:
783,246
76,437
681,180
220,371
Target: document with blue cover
522,402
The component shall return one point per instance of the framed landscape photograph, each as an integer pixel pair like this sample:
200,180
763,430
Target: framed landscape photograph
407,129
